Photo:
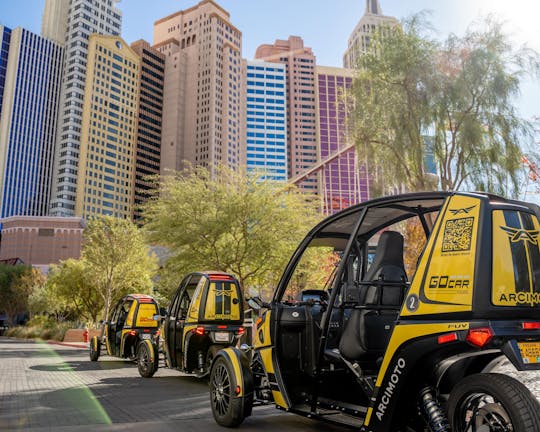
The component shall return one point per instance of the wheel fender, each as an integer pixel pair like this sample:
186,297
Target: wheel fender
240,365
95,343
151,348
450,371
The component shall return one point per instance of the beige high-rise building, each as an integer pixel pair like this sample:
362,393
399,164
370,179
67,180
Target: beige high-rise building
360,36
202,115
54,22
106,175
301,108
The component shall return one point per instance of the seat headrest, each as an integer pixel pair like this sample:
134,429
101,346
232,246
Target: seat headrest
389,252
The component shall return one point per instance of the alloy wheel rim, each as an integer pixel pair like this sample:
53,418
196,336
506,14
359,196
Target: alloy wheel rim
221,390
144,359
481,412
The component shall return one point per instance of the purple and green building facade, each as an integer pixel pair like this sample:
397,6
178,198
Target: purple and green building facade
344,179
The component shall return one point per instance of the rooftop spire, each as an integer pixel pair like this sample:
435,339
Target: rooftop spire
373,7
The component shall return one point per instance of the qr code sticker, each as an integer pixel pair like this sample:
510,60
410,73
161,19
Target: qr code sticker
458,235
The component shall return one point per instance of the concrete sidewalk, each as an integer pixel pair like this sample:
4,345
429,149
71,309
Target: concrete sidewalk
55,387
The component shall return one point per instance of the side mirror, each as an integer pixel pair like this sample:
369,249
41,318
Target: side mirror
256,303
158,317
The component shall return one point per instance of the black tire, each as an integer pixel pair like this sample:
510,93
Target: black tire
211,353
95,348
228,410
496,401
147,359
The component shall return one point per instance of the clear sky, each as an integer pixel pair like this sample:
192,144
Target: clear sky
325,25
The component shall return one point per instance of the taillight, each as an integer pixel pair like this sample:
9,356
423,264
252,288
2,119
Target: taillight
450,337
221,327
479,336
199,331
530,325
240,331
156,333
133,332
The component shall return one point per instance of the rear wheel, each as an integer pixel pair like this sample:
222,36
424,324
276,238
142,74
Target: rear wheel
226,407
147,359
95,348
492,403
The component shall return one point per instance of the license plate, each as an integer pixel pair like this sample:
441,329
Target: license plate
530,352
146,336
221,336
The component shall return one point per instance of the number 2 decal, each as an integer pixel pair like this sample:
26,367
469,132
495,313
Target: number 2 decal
412,303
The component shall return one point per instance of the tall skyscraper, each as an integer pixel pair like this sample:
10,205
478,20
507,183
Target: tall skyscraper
266,119
344,178
5,39
74,27
148,153
360,36
299,62
54,21
106,171
30,81
202,115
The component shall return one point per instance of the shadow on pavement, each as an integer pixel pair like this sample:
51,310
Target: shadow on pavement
84,366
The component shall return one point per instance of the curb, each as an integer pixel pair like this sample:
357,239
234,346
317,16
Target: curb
69,344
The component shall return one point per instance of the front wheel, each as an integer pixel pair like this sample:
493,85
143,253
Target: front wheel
228,410
147,359
492,403
95,348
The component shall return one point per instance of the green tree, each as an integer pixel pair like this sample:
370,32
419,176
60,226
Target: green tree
117,259
14,292
71,291
460,93
232,222
30,282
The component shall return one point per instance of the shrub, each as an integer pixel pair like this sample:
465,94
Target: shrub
41,327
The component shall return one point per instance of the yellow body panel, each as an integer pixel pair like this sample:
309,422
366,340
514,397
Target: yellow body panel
222,302
195,304
106,337
268,363
444,280
150,349
262,333
237,368
405,332
129,319
145,315
513,252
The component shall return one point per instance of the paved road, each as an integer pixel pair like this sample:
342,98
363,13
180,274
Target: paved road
46,387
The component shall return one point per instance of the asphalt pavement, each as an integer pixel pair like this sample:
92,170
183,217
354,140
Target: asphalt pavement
54,387
47,387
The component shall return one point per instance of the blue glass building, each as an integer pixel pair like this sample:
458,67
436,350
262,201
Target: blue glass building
5,38
266,120
28,121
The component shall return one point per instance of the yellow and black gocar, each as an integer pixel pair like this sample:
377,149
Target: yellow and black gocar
204,316
422,296
133,321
